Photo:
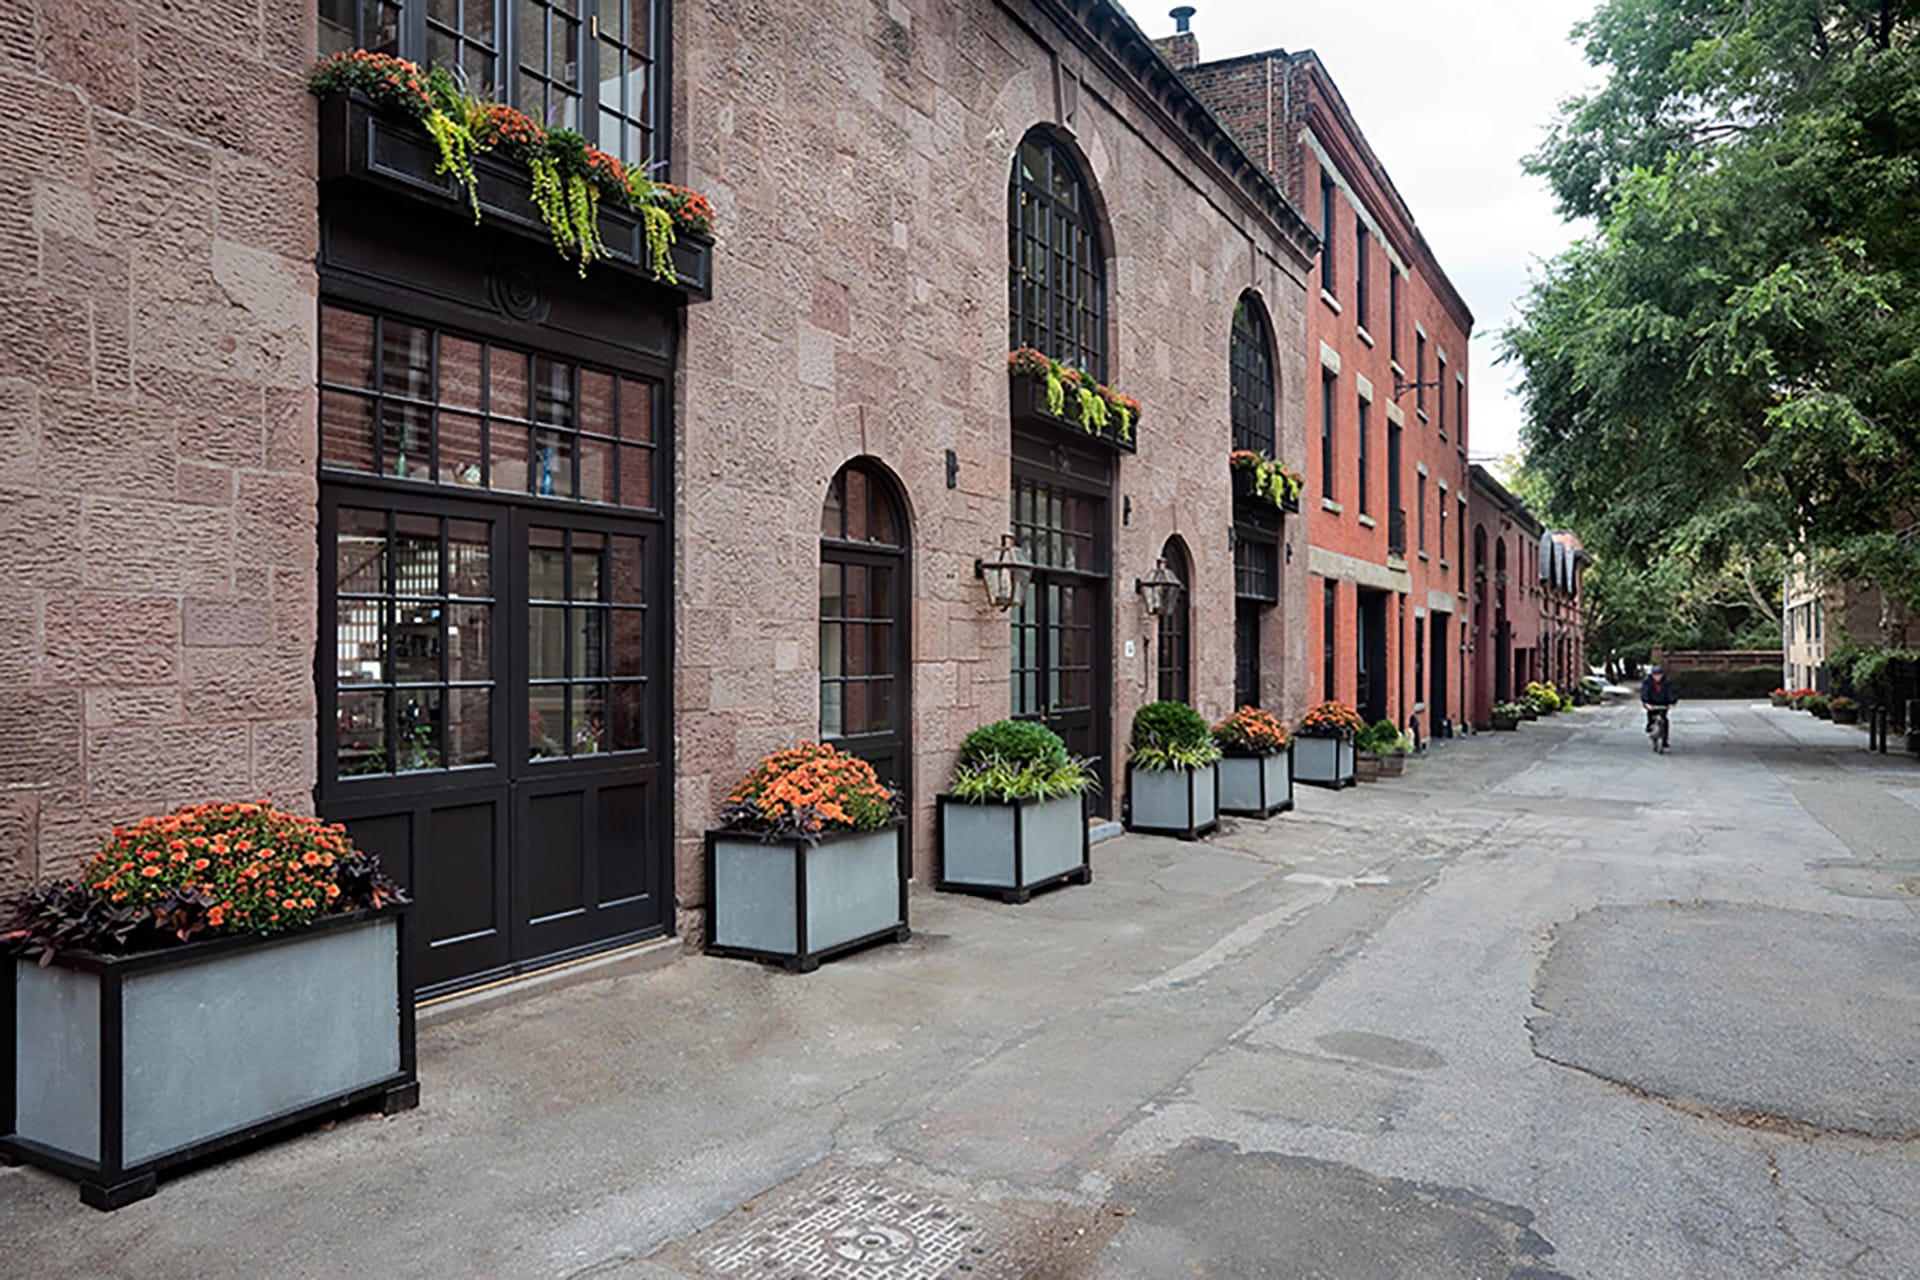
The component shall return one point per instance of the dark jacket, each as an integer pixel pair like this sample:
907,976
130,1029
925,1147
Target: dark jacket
1664,696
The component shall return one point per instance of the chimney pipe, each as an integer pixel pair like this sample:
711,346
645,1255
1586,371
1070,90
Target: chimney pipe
1182,18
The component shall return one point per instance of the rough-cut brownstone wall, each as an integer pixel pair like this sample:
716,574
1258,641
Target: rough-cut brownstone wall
859,163
156,415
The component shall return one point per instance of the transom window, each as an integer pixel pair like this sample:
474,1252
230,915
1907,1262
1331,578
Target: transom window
410,402
587,65
1059,275
1251,388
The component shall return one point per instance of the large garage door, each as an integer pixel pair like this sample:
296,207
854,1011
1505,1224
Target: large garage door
492,675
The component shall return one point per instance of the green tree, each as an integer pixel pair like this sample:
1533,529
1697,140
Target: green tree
1730,365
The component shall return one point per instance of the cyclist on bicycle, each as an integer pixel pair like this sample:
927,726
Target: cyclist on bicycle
1656,695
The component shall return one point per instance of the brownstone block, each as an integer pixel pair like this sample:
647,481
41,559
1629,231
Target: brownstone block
278,518
19,435
159,767
19,840
292,429
99,446
55,139
283,757
143,705
229,685
204,484
113,639
44,338
40,730
227,623
137,545
235,23
39,542
90,44
266,206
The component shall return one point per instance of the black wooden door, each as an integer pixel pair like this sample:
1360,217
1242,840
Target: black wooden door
1062,649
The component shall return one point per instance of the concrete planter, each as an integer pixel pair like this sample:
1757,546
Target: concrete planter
1007,849
1254,785
1173,802
1505,724
1324,762
120,1068
801,903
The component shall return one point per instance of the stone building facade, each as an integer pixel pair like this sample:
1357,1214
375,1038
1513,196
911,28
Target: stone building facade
1386,372
315,491
1526,615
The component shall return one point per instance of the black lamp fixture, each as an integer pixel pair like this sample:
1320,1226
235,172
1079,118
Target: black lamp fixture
1006,573
1160,589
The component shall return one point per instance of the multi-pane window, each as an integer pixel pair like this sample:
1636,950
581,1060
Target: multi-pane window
1419,658
587,65
1361,456
1361,252
413,646
1326,231
1251,387
1420,517
1256,567
360,24
863,545
1393,314
1440,395
1420,371
1443,521
413,402
1460,413
586,632
462,34
1328,385
1059,276
1174,643
1053,624
1329,618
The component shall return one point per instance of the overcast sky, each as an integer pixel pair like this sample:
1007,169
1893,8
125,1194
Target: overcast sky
1450,94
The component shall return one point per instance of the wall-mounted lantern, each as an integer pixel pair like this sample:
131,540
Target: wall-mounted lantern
1006,573
1160,589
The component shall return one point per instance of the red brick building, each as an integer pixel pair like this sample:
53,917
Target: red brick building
314,489
1385,370
1526,621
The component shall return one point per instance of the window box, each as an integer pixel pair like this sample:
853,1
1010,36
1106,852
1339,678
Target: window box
359,146
120,1068
1323,761
1028,398
1255,784
800,903
1173,802
1009,848
1244,487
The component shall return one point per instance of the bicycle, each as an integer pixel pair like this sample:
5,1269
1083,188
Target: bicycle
1657,728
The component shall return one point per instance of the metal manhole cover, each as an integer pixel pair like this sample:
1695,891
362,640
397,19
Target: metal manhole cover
855,1226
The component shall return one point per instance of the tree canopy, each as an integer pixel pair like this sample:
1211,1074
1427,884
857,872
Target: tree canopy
1728,368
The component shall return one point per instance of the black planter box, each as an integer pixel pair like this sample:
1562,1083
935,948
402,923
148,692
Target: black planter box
361,146
1243,488
117,1069
797,902
1009,849
1029,401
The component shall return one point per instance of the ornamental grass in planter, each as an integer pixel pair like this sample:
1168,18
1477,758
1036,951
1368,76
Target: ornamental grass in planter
1323,752
1015,817
1173,786
1256,764
809,861
213,976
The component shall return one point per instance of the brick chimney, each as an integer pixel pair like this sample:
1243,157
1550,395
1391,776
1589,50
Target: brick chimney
1180,48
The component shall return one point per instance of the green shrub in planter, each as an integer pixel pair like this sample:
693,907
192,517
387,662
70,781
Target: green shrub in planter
1015,818
1172,785
1820,705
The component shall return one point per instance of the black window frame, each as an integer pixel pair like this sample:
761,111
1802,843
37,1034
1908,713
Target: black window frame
1329,389
1362,238
1329,625
1063,316
417,36
1250,378
1420,519
1327,278
1440,400
1393,314
1361,459
1420,373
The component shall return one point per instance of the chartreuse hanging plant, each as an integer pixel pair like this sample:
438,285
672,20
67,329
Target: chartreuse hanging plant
568,177
1095,407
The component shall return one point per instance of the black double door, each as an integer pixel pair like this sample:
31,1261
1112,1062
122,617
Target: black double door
492,680
1370,655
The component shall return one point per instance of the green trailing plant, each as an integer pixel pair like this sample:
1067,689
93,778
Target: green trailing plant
1012,760
569,179
1274,481
1099,410
1171,735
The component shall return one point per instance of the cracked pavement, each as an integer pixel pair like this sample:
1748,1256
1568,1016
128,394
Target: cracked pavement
1305,1047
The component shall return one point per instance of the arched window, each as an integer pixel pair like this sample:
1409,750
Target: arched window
1251,367
1176,684
865,599
1059,284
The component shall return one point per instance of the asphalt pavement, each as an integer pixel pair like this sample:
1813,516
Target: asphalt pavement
1550,1005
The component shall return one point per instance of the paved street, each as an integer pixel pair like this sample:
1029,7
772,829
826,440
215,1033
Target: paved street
1547,1006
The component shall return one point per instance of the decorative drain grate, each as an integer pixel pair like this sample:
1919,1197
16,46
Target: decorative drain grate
855,1226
